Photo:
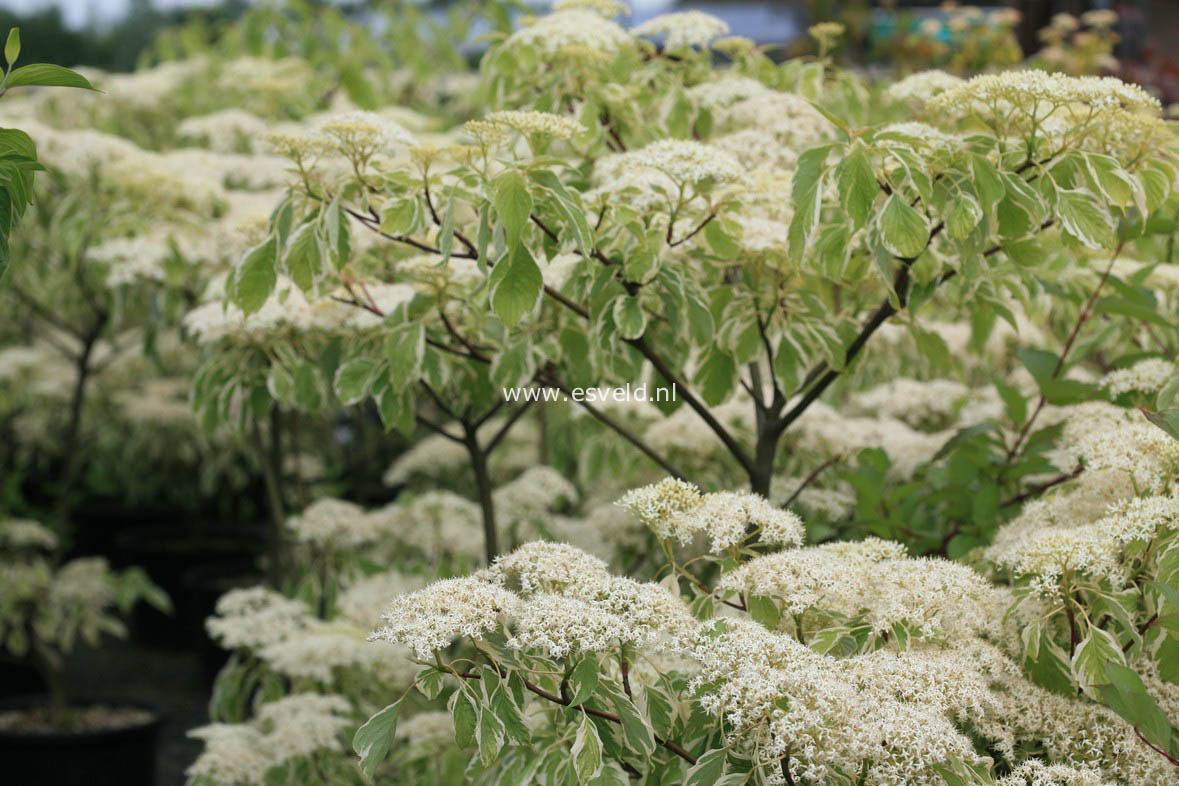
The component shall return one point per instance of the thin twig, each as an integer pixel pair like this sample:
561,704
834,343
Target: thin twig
809,480
694,232
1040,488
1082,318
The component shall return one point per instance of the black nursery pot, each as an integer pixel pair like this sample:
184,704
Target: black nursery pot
168,556
19,679
203,586
110,757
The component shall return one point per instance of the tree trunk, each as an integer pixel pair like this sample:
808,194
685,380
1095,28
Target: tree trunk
270,459
483,487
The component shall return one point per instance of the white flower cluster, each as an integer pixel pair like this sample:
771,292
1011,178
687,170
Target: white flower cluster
922,86
919,403
1028,546
826,431
254,617
1037,773
1025,91
230,130
287,310
362,134
936,598
534,494
538,123
16,534
293,642
687,162
291,728
335,523
683,29
1145,376
567,602
433,729
132,259
1105,437
573,29
364,600
442,522
829,502
832,716
676,509
315,653
429,619
1095,113
159,402
606,8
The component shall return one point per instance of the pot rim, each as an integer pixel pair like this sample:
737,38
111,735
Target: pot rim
157,719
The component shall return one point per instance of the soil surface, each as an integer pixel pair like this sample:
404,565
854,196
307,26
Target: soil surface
91,717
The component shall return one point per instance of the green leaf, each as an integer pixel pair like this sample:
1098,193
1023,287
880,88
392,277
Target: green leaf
958,773
1084,218
764,610
987,182
400,216
583,681
567,205
1129,308
858,187
304,262
509,715
1098,648
255,277
516,284
281,384
307,394
1169,394
903,229
335,224
405,347
1112,181
1013,401
374,738
708,769
1050,668
12,46
513,366
1040,363
1167,420
397,410
47,75
807,195
513,204
491,737
356,86
629,317
430,683
587,751
716,376
16,143
1168,660
635,731
465,715
964,217
446,230
720,241
1125,694
353,380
